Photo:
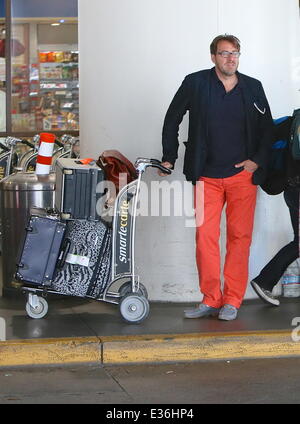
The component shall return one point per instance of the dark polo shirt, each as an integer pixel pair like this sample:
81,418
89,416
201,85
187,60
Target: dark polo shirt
226,131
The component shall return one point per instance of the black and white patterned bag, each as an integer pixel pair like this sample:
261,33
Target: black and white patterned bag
86,259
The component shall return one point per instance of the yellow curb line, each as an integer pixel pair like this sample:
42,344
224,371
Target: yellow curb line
179,348
50,351
149,349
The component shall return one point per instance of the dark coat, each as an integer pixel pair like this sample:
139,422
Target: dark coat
193,96
283,169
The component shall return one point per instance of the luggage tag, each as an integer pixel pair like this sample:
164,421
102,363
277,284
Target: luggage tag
86,161
77,260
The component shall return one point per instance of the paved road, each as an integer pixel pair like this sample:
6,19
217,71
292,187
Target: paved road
237,382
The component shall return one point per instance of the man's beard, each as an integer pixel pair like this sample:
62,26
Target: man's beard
229,73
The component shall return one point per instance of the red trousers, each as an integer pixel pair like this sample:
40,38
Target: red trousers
211,194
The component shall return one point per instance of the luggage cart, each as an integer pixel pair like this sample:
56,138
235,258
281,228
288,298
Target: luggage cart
9,158
25,160
131,295
67,149
63,148
8,163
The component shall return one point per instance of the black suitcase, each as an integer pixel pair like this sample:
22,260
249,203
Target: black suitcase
84,268
40,249
76,194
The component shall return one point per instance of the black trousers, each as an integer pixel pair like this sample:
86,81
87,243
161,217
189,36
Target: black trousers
273,271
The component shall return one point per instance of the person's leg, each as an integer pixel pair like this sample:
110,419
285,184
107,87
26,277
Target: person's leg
207,239
273,271
291,197
241,201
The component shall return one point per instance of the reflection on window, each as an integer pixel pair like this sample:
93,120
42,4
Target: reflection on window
44,72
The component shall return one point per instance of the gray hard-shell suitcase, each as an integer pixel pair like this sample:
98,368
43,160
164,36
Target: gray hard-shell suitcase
40,249
85,268
76,189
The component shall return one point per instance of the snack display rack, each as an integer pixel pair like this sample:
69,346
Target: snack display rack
45,95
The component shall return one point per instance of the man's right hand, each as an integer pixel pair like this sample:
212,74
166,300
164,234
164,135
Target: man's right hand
166,165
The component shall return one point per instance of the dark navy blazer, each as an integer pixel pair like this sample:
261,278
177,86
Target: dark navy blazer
193,96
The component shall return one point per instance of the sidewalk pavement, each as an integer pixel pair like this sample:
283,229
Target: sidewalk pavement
82,331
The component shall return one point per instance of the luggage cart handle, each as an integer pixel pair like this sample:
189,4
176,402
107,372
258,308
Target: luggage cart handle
3,147
58,142
161,167
63,254
69,139
142,163
27,143
12,141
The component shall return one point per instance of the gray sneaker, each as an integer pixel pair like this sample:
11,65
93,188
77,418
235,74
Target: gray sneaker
201,311
228,313
264,294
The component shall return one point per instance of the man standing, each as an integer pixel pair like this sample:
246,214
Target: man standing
229,137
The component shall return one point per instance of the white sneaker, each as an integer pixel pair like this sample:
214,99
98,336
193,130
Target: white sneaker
264,294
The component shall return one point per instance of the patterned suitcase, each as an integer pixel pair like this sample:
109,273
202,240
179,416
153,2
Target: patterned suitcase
40,249
76,192
84,267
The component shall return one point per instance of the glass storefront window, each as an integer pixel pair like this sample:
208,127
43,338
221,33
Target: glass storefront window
44,66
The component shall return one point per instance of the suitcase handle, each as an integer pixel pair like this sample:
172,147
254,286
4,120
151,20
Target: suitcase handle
64,252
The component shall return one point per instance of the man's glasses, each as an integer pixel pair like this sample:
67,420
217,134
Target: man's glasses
225,53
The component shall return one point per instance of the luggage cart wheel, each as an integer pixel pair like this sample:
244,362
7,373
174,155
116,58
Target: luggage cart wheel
36,307
134,308
126,288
